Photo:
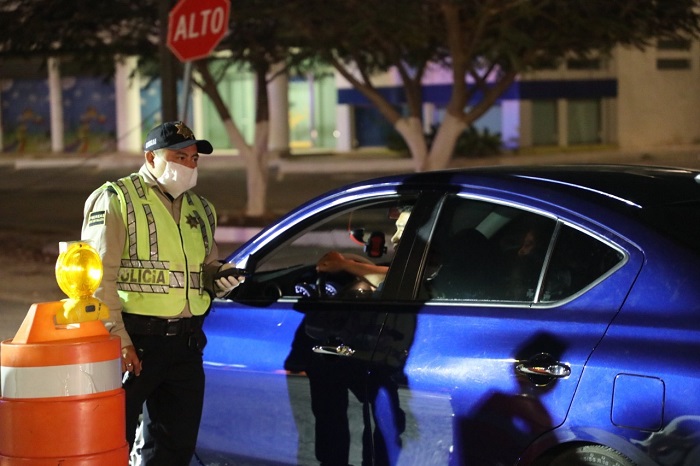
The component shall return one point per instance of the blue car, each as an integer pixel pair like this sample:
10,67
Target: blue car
520,316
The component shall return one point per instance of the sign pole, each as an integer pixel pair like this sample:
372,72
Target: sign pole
168,81
195,28
186,90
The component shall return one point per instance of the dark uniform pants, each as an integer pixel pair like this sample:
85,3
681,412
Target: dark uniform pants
331,380
171,385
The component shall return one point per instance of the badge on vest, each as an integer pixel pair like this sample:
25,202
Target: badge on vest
192,221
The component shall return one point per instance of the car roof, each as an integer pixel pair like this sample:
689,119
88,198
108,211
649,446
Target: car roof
615,185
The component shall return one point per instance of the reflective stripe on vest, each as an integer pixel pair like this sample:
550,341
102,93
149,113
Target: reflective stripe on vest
158,274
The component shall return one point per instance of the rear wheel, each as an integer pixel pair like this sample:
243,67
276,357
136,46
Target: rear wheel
588,455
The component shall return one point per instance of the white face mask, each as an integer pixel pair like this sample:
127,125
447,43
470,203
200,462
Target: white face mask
177,178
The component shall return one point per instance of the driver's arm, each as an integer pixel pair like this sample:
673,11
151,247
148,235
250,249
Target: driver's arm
334,262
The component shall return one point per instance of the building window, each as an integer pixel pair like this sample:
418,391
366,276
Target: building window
546,65
583,64
673,54
672,64
544,123
673,44
584,121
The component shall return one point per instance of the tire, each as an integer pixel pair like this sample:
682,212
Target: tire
589,455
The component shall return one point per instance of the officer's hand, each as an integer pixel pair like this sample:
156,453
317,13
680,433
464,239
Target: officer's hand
225,285
130,360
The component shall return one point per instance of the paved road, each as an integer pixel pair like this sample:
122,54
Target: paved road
52,199
41,203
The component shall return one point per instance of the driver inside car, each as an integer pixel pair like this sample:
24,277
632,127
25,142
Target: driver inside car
335,262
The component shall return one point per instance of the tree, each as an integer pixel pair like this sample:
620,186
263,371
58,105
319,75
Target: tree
49,28
86,32
258,41
485,44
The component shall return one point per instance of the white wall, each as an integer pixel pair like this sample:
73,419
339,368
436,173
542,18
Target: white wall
657,107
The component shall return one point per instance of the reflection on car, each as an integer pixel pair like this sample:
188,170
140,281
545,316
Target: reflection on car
528,315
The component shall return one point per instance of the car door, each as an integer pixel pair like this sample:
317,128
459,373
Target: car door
494,364
267,390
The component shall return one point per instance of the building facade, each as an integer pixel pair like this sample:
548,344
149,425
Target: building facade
630,100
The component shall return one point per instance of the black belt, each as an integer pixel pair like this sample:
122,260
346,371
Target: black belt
145,325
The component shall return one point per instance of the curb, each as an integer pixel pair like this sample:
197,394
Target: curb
281,166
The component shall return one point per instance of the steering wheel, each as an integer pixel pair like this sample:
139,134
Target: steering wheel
360,284
321,279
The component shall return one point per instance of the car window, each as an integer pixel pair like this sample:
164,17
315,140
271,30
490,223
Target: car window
490,252
362,234
578,260
486,251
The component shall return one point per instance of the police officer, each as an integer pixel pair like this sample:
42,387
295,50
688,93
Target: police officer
156,240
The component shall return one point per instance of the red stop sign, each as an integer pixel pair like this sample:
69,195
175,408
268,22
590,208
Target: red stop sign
195,27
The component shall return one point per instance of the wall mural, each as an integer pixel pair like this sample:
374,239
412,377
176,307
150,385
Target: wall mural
25,116
88,115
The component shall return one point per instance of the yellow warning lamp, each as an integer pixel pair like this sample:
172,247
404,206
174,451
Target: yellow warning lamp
78,274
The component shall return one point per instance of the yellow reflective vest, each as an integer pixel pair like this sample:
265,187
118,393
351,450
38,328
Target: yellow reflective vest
162,261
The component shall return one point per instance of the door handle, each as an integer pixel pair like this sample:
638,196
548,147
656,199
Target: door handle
542,369
558,370
340,350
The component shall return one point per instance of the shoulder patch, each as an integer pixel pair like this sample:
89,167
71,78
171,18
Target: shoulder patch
96,218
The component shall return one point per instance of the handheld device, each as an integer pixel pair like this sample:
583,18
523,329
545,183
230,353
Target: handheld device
232,271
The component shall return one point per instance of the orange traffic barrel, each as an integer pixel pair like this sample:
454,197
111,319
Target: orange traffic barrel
61,400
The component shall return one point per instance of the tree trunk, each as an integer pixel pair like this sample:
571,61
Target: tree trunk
411,129
257,159
257,173
444,142
256,155
256,163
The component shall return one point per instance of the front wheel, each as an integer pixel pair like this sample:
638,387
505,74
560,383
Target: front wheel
589,455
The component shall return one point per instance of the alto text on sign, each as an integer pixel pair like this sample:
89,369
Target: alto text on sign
195,27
